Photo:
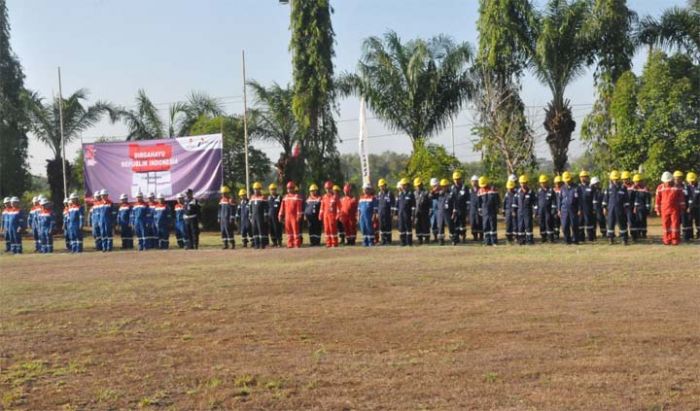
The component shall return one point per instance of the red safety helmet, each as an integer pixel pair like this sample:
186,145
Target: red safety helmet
328,185
290,185
347,188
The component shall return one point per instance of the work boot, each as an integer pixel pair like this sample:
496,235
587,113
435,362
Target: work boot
611,241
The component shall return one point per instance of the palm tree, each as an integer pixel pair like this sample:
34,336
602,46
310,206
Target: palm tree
560,47
415,87
144,121
183,115
677,28
45,121
274,120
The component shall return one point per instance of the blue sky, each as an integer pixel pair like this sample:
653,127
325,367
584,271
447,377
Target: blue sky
172,47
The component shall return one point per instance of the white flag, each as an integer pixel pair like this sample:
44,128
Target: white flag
364,159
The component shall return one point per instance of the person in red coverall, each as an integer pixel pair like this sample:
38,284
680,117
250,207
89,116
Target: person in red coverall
348,214
329,214
291,212
670,203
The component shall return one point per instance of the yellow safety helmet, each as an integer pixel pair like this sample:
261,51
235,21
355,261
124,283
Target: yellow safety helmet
225,190
444,182
557,179
637,178
691,177
241,192
417,181
678,173
313,187
543,178
566,176
523,179
625,175
457,175
483,181
510,184
614,175
403,181
381,182
272,186
583,173
257,185
336,187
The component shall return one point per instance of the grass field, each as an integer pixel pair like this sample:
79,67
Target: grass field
510,328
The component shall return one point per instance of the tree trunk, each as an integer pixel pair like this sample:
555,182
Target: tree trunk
54,172
559,124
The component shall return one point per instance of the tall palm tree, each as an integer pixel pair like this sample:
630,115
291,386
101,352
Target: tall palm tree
560,47
677,28
414,87
144,121
77,117
183,115
274,120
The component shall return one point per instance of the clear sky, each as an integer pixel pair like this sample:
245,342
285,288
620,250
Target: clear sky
172,47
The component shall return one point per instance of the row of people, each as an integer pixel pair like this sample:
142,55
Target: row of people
577,210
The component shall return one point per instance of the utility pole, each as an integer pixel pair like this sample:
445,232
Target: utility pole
245,125
63,140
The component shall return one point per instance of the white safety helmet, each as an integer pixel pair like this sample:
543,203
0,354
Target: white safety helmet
666,177
181,195
66,200
73,196
123,197
434,181
139,195
96,194
511,177
151,195
44,201
366,186
6,200
595,180
35,199
104,192
14,200
161,196
475,178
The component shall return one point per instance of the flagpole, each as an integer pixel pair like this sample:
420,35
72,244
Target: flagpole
63,140
245,125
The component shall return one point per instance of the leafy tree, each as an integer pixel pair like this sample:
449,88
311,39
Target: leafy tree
414,87
77,117
313,100
274,120
559,46
504,135
656,116
389,165
234,150
14,175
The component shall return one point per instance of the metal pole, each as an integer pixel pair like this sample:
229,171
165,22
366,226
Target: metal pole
245,125
452,123
63,140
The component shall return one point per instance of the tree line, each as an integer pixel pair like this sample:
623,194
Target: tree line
646,122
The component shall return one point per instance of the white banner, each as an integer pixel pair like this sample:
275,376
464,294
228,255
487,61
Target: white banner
364,158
